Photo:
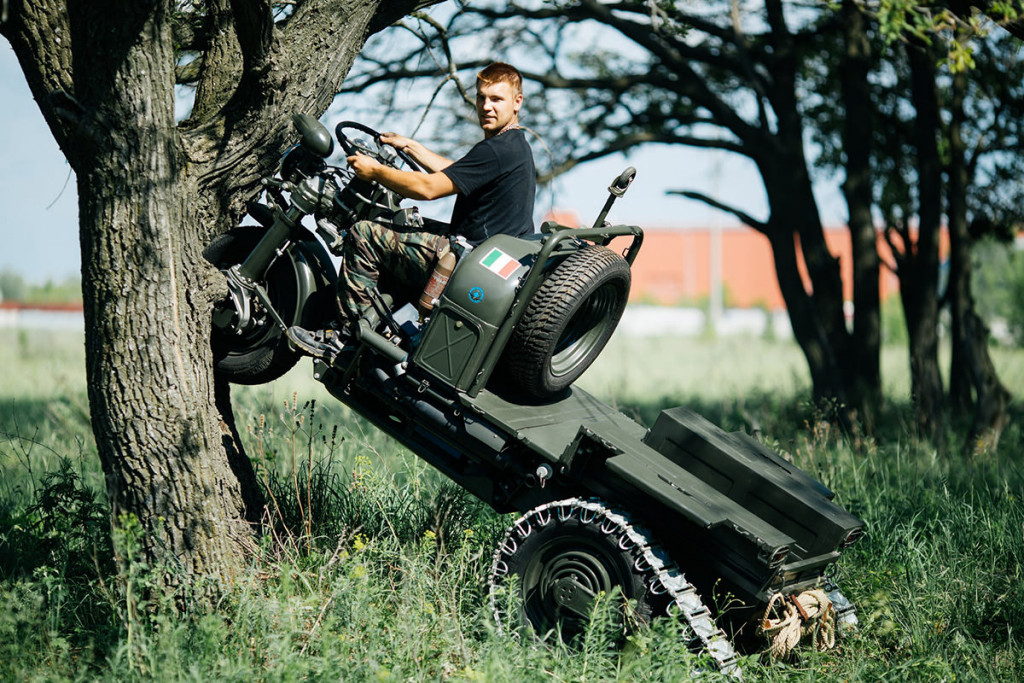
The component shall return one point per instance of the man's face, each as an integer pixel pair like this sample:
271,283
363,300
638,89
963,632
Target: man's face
497,105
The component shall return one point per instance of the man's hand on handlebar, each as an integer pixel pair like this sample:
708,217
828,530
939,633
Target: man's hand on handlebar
365,167
399,142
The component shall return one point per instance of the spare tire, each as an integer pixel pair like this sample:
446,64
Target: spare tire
567,322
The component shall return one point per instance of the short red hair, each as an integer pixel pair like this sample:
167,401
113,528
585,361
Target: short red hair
500,72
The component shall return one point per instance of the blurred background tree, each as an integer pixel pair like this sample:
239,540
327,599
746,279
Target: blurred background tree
878,96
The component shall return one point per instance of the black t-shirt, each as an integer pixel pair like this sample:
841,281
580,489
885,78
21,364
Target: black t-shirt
497,183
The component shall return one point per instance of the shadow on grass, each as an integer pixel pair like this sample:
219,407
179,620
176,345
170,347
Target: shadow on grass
56,557
47,429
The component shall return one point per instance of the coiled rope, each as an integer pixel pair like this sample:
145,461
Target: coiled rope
790,618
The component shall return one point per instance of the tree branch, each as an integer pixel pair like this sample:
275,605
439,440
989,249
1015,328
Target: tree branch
899,252
47,63
450,68
677,34
189,32
690,83
298,68
393,11
254,26
744,217
188,74
219,65
625,143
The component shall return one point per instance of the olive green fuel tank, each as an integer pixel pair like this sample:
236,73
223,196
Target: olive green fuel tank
473,307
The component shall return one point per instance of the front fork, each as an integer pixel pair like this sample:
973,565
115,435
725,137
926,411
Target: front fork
244,278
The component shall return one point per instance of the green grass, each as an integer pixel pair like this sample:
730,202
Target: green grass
377,568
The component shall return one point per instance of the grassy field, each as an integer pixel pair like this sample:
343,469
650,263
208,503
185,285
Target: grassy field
377,571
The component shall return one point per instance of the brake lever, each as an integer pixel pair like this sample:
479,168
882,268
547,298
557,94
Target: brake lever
274,187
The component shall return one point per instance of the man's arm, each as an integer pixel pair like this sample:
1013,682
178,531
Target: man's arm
411,184
429,160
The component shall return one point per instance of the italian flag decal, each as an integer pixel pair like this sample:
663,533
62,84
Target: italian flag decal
500,263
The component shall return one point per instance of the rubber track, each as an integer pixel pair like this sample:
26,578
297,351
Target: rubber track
663,575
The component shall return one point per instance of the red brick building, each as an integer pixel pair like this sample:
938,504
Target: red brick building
674,267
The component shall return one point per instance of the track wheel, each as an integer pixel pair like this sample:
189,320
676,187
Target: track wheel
558,558
261,353
565,555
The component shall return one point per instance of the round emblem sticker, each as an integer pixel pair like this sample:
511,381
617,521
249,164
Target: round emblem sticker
476,295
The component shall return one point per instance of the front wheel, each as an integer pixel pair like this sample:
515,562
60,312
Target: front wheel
260,353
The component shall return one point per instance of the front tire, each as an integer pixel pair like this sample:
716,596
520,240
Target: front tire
568,321
260,354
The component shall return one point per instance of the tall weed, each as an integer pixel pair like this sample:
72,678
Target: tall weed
374,566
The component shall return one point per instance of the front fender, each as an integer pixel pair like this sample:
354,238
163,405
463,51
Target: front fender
317,281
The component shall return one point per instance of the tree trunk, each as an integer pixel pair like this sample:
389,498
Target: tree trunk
805,308
920,270
971,366
958,290
826,377
151,194
817,316
169,450
863,367
168,445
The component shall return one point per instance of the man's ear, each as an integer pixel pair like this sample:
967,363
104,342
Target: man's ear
518,103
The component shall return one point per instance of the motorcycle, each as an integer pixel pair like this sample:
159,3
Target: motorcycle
279,273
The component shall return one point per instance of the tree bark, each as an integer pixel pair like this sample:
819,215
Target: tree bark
919,270
151,194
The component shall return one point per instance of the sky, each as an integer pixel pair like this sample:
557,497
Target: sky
38,197
38,194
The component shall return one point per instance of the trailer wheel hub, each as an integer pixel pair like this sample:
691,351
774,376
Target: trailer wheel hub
575,593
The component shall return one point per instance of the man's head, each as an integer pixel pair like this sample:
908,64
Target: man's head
499,94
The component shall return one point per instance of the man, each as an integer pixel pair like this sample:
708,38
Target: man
495,184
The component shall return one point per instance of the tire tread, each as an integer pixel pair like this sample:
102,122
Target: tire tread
528,355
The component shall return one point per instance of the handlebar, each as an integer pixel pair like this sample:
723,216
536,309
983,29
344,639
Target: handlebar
351,149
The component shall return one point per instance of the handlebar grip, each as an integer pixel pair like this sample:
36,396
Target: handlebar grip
622,183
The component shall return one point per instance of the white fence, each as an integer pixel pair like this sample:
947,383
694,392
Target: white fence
637,321
32,318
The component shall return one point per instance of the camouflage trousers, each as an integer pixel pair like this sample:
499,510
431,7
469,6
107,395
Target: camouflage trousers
397,263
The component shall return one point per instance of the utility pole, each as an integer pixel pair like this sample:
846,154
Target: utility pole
715,305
